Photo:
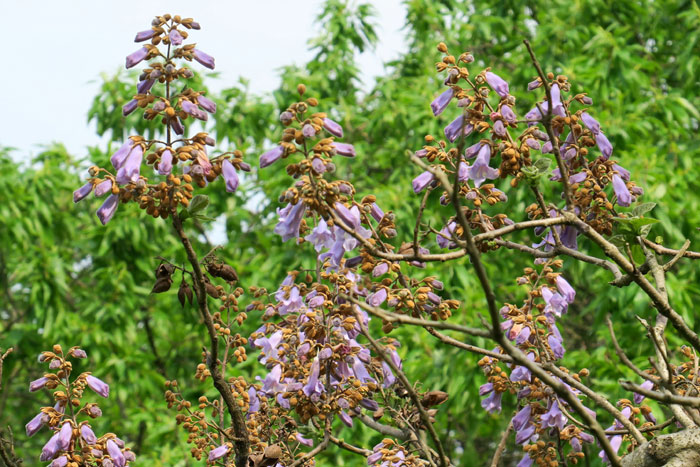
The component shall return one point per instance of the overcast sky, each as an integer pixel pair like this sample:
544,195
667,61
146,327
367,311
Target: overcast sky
55,51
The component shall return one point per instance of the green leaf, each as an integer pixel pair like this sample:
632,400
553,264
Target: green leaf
198,204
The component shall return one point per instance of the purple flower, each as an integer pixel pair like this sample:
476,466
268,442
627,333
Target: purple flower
97,385
145,86
230,176
527,460
577,178
457,128
521,418
444,240
565,289
64,436
590,122
193,110
624,173
207,104
492,403
38,384
136,57
290,220
108,208
345,418
144,35
176,125
271,156
175,37
555,345
165,165
376,212
332,127
289,302
377,298
204,59
380,269
102,188
525,435
533,144
508,114
302,440
557,106
556,303
120,156
440,103
219,452
321,237
481,171
344,149
314,387
639,398
554,416
533,116
604,145
422,181
50,449
115,453
129,172
497,83
82,192
59,462
499,129
308,131
129,107
36,423
88,435
532,85
624,197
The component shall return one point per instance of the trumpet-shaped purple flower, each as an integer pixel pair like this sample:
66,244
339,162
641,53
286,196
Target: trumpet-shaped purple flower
165,165
604,145
376,212
591,123
554,417
332,127
136,57
88,435
230,176
121,154
321,237
308,131
314,387
555,303
129,107
204,59
499,128
639,398
508,114
129,172
38,384
145,86
176,125
59,462
97,385
624,173
175,37
422,181
565,289
533,116
207,104
444,240
290,220
458,127
441,102
271,156
522,418
50,449
289,303
380,269
115,453
193,110
525,434
497,83
108,208
36,423
305,441
82,192
492,403
344,149
624,197
556,346
144,35
557,106
103,188
481,171
377,298
64,436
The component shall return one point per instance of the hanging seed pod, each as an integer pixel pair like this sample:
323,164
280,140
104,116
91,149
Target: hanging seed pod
432,398
184,293
162,285
164,270
223,271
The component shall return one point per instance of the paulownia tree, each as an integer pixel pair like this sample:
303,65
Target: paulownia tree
326,363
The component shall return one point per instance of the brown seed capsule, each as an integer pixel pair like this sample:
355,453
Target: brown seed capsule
162,285
301,89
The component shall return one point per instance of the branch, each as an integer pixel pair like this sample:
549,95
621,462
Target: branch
662,397
662,250
673,450
501,445
240,430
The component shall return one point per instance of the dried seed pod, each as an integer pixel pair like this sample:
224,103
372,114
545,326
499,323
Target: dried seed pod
164,270
162,285
432,398
184,293
223,271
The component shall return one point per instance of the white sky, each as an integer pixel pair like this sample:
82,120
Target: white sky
55,51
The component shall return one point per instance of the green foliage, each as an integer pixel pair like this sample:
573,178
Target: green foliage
66,279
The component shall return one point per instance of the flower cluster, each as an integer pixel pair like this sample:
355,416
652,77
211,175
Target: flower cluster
73,442
160,198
